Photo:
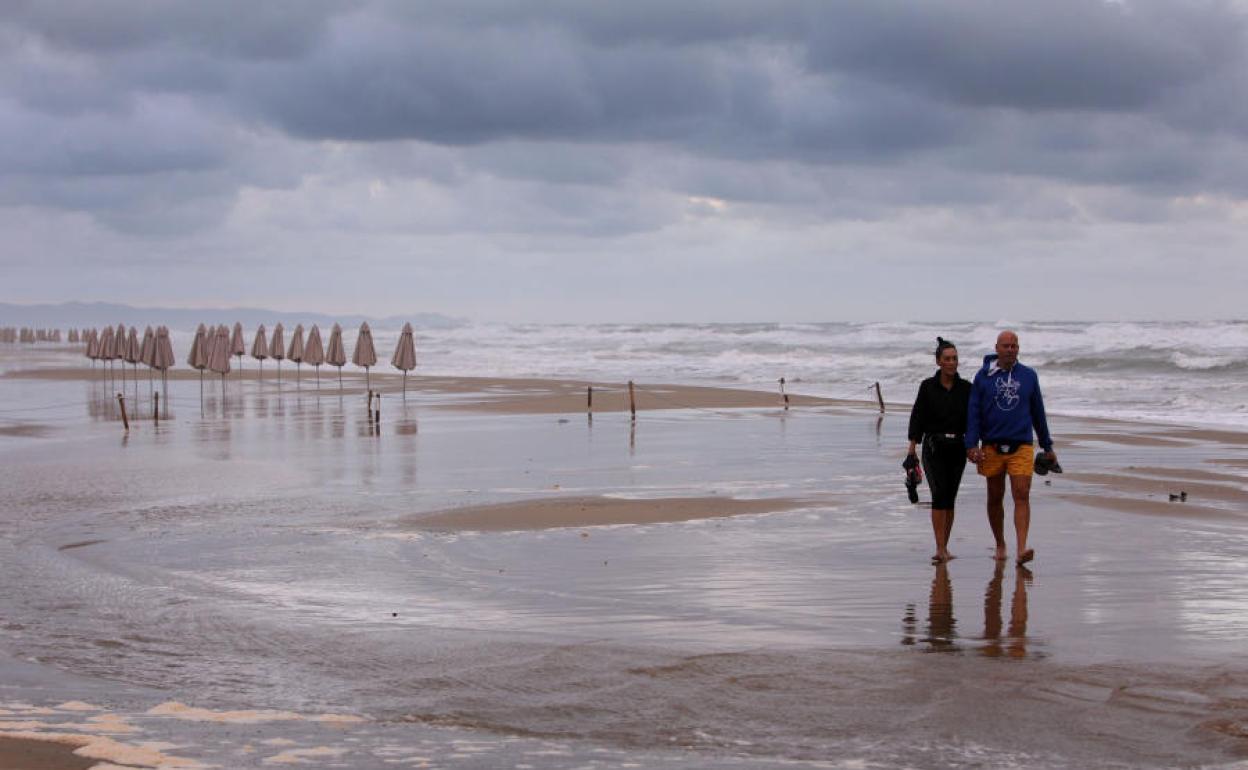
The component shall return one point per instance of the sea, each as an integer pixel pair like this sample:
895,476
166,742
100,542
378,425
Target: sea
1171,372
1190,373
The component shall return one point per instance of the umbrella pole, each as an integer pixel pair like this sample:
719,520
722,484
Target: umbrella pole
367,382
340,380
404,384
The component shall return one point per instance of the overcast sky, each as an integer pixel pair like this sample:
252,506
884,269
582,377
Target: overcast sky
630,161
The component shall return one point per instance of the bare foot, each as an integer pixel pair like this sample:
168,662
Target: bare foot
937,558
999,554
1026,556
949,556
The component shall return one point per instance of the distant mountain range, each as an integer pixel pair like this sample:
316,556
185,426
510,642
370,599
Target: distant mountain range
93,314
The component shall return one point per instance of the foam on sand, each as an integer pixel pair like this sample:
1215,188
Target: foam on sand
192,714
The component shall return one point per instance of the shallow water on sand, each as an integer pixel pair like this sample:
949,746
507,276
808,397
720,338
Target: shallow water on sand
262,553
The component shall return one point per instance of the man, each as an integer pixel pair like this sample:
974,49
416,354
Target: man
1005,406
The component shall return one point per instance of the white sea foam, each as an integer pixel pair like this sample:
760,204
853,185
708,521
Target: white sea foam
1182,372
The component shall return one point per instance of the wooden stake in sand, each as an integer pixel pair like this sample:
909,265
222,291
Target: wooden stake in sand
784,395
879,396
632,401
589,400
121,399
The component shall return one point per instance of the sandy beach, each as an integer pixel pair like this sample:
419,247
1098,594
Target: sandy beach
489,575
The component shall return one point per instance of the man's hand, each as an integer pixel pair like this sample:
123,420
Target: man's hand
975,455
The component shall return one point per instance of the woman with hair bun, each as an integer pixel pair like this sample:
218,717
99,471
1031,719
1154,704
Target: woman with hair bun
938,424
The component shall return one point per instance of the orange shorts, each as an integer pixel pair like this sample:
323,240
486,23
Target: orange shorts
1021,463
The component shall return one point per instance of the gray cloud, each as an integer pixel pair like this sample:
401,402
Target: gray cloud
501,128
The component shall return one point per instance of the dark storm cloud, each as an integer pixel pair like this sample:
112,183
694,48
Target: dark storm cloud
198,101
273,29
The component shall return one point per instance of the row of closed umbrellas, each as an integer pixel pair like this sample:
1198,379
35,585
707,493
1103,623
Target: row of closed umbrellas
213,347
29,336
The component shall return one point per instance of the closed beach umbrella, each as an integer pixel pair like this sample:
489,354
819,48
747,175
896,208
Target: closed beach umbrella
404,358
119,348
219,355
105,350
335,353
93,346
163,358
147,352
365,354
131,355
295,352
238,346
216,340
147,348
277,349
210,339
314,354
197,358
260,348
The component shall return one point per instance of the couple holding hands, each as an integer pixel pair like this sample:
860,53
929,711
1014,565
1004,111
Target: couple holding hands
989,422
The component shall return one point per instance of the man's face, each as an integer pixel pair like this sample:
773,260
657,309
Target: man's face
1007,349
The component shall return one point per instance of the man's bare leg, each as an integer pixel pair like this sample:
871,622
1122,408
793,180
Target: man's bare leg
948,532
1020,490
996,513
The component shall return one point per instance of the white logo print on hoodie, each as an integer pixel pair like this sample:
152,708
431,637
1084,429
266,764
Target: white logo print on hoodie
1007,390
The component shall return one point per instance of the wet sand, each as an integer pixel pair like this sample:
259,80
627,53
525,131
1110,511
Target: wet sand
554,512
25,430
486,394
270,580
42,754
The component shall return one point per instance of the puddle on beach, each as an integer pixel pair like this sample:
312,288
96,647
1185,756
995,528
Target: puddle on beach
255,552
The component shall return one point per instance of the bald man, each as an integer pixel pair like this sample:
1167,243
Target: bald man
1005,407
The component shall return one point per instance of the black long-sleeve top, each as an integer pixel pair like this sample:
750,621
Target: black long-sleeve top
939,410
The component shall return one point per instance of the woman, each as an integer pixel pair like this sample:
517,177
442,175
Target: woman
938,421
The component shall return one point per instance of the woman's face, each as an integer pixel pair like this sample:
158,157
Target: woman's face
948,361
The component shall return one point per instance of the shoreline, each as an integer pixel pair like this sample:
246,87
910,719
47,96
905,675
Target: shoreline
565,395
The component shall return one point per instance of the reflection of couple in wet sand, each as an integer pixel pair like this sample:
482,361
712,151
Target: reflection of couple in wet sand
989,422
940,633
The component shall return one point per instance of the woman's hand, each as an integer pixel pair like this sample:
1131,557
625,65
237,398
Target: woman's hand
911,451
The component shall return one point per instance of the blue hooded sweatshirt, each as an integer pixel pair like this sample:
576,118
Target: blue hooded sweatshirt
1005,406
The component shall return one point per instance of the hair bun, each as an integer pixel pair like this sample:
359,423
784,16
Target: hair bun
940,340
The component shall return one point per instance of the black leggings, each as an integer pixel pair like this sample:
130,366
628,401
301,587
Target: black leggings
943,461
